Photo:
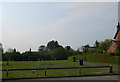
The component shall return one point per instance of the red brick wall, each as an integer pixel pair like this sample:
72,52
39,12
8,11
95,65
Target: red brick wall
112,48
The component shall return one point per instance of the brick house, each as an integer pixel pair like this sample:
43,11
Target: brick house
113,45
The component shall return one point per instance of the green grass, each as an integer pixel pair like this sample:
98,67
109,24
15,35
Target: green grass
40,64
99,58
61,72
48,64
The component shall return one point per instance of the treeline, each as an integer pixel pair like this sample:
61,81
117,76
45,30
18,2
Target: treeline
53,51
101,47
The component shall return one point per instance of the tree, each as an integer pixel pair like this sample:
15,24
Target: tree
68,48
52,45
16,56
77,52
41,48
97,44
86,48
1,48
10,50
14,50
103,46
59,53
1,51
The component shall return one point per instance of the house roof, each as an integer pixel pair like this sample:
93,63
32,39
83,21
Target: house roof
118,29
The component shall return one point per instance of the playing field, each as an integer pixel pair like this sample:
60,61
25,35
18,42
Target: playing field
49,73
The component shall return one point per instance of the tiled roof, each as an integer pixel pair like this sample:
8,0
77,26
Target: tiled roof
118,30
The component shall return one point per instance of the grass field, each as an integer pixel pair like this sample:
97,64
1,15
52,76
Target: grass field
48,64
41,64
99,58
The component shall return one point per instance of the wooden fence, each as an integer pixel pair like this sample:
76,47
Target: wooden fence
33,69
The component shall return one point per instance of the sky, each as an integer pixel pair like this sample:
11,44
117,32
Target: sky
26,25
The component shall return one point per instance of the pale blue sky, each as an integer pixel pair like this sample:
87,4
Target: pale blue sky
29,25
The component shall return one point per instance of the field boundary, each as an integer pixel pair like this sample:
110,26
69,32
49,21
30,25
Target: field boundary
58,76
45,70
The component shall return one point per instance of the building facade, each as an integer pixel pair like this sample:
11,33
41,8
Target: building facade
113,45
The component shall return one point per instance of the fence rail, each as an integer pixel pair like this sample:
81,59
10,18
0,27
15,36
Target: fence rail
33,69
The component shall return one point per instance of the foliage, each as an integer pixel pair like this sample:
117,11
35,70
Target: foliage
1,48
86,48
103,46
97,44
10,50
60,53
12,56
41,48
99,47
52,44
30,56
68,48
52,50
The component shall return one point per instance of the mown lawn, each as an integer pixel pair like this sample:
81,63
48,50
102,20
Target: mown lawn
40,64
99,58
48,64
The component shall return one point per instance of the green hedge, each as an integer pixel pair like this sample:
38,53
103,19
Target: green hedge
98,58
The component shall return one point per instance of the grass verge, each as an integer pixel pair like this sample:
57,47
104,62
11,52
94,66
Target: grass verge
50,73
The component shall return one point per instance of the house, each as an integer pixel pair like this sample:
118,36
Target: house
113,45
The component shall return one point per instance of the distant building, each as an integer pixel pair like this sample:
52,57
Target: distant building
113,45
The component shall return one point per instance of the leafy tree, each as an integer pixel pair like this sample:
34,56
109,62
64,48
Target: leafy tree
13,56
1,51
103,46
10,50
16,56
41,48
97,44
68,48
59,53
1,48
14,50
77,52
28,55
52,45
8,57
86,48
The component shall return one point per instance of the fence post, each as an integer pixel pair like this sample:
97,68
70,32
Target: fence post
74,59
45,72
110,69
7,72
79,71
33,71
